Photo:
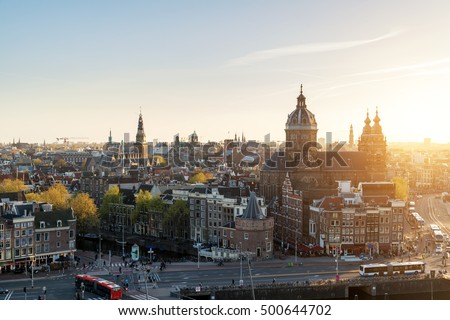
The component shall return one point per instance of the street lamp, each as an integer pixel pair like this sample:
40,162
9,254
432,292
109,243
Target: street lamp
338,249
198,256
99,251
241,281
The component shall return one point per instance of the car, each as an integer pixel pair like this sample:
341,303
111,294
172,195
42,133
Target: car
3,290
19,270
438,249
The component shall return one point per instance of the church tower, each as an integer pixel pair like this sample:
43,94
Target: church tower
373,142
141,141
351,139
301,127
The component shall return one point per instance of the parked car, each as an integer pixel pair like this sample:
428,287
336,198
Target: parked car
19,270
3,290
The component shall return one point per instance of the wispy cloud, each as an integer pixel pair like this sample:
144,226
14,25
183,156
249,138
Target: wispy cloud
409,68
303,49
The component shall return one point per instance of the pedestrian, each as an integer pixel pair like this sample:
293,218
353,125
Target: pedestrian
273,281
232,282
120,270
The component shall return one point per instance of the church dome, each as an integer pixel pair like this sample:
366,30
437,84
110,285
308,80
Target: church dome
301,117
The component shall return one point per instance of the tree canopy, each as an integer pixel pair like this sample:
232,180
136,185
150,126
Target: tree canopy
401,188
12,185
112,195
57,195
85,210
177,217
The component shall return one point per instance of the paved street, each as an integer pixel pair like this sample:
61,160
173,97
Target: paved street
59,285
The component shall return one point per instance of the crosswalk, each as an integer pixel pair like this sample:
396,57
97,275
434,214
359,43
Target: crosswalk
143,297
93,267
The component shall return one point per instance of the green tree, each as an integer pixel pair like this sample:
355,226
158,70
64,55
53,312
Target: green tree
401,188
143,201
85,210
9,185
177,218
112,195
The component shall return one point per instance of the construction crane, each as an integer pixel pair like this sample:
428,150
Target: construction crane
65,140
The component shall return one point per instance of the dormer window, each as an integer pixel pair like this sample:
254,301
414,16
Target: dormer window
59,223
41,224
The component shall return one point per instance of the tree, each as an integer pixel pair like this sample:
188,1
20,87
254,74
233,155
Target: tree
37,162
177,218
85,211
32,196
57,195
61,163
113,195
198,178
401,188
9,185
143,200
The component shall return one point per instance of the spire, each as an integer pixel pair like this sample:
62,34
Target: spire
301,100
376,128
351,139
253,210
367,129
110,136
140,135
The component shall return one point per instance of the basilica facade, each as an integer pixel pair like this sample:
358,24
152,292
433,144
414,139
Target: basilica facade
314,169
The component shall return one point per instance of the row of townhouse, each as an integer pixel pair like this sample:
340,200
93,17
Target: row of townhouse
364,220
32,233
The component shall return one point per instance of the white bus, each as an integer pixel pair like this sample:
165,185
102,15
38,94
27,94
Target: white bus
380,269
434,227
438,236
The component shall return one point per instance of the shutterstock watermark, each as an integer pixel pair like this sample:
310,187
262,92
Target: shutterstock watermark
288,155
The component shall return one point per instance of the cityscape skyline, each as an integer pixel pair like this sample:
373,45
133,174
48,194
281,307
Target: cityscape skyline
222,68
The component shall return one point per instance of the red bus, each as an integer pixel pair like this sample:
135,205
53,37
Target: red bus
99,286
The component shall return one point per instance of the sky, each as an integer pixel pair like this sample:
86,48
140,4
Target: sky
79,69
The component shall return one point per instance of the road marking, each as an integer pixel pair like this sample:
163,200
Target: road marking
8,295
143,297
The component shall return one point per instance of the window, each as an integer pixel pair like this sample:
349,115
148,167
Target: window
58,244
246,236
59,223
17,233
46,247
266,236
46,236
38,237
71,234
268,246
38,248
24,233
30,241
41,224
58,234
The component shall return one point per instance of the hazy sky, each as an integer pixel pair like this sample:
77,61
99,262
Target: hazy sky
79,68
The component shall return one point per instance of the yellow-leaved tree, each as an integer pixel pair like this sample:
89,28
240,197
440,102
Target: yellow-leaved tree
401,188
85,211
56,195
10,185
